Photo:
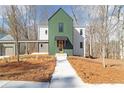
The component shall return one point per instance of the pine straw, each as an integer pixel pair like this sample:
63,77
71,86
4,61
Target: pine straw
92,71
30,68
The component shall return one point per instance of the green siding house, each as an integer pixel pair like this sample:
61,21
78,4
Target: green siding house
60,26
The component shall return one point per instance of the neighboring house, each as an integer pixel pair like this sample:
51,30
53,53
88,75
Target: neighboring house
6,49
79,41
62,36
43,35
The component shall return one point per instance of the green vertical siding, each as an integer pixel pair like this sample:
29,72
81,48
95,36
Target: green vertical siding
60,17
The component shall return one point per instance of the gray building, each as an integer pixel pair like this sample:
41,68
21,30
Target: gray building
6,49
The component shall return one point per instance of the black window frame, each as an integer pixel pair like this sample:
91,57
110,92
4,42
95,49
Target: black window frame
81,32
61,27
81,44
41,45
46,32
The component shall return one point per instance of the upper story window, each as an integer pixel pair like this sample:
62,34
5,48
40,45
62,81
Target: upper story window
61,26
81,44
46,32
81,32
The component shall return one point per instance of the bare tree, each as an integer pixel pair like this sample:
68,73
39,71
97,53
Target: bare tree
12,21
102,23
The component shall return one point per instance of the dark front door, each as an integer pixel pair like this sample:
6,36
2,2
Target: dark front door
60,45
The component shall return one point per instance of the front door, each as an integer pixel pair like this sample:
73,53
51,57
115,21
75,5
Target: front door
60,44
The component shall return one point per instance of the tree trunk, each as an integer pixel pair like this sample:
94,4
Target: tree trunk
17,50
90,47
103,56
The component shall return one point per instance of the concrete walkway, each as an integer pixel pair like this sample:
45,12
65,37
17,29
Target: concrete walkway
64,75
23,84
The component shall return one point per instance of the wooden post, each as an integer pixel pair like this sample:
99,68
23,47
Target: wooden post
26,44
38,47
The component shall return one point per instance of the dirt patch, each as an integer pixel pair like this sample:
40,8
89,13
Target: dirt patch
30,68
92,71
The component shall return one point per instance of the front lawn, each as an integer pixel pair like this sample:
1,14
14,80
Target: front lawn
30,68
92,71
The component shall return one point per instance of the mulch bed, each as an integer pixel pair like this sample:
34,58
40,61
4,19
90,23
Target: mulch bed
92,71
32,69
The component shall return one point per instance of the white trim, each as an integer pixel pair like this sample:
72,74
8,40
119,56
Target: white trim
42,41
39,53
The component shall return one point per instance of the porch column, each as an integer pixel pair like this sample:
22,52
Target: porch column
38,47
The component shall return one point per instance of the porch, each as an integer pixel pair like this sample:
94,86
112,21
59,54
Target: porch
8,48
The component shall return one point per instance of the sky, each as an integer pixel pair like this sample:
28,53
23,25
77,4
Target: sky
81,14
67,8
51,10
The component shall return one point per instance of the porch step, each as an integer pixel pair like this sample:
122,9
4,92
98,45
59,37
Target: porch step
61,56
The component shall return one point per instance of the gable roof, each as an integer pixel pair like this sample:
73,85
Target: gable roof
5,36
2,35
57,12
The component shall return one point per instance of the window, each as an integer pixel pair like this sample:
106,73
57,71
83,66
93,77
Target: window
41,45
46,32
57,43
61,26
81,33
81,44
